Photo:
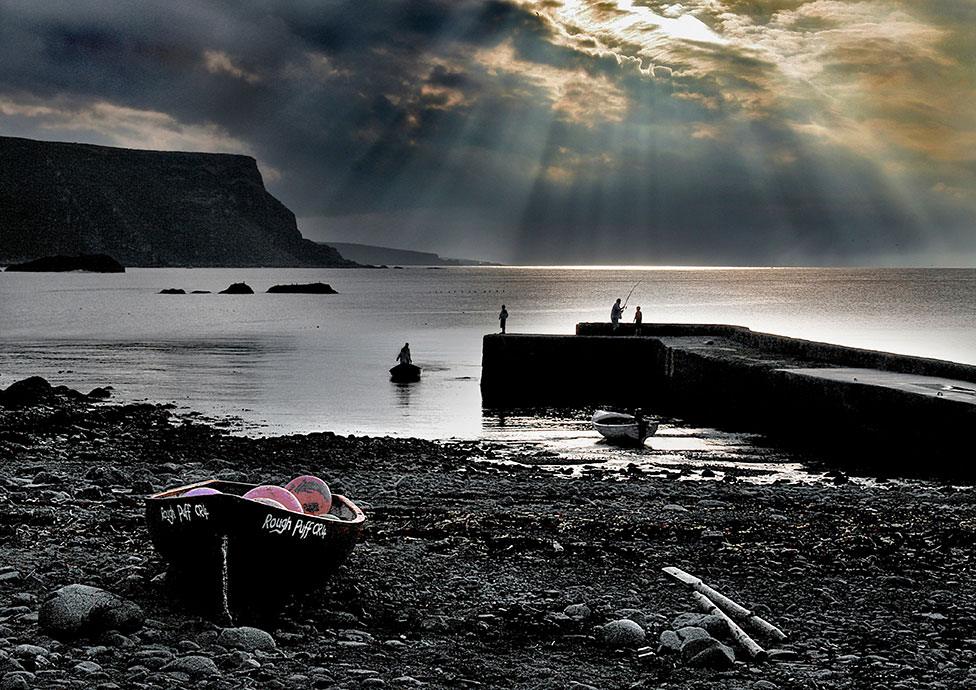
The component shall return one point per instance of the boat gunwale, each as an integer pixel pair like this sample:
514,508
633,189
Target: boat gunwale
176,493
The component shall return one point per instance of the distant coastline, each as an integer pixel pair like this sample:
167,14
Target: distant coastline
392,256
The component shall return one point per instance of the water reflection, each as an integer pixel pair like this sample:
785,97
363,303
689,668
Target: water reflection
402,393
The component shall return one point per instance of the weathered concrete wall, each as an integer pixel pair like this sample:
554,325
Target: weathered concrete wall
730,376
525,370
825,353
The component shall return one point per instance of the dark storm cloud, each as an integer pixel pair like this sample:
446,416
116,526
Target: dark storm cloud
519,131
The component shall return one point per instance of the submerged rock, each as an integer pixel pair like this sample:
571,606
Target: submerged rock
84,611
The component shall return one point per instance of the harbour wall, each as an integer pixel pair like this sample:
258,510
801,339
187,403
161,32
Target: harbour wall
732,377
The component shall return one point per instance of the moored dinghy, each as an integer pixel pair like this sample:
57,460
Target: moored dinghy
622,429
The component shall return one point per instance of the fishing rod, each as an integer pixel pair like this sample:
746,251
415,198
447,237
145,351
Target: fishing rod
630,293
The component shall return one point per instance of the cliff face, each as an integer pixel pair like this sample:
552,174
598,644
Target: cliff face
145,208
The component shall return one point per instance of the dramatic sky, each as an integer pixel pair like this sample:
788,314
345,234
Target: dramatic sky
546,131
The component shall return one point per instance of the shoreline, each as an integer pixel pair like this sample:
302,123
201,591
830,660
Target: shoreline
467,565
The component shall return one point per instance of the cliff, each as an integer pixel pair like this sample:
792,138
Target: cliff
145,208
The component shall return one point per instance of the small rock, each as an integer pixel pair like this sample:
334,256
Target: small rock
30,650
670,642
14,681
194,666
713,625
691,632
246,638
635,615
578,611
715,656
88,667
623,633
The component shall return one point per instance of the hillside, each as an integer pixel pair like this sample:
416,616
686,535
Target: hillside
145,208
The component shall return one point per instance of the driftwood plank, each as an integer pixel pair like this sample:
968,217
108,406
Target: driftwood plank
727,605
740,635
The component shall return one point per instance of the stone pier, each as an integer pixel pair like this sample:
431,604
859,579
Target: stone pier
827,395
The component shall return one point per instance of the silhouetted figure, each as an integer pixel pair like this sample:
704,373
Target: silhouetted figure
638,320
641,422
616,311
404,356
503,317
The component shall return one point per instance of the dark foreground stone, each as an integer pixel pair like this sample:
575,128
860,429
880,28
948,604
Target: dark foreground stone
84,611
92,263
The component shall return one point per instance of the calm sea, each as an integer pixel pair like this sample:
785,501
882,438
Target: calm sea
295,363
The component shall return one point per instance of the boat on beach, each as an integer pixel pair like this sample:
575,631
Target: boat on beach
622,429
233,556
405,373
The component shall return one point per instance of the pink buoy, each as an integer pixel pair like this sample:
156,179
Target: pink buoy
312,493
201,491
268,502
276,493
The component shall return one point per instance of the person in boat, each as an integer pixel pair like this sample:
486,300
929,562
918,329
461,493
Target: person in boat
404,356
616,311
503,317
638,320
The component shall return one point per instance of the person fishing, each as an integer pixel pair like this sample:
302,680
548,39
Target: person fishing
638,320
404,356
616,311
503,317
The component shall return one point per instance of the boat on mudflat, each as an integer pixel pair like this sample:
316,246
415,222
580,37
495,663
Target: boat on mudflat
405,373
234,556
622,429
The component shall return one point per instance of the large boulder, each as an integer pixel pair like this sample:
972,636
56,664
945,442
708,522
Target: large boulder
623,634
83,611
26,392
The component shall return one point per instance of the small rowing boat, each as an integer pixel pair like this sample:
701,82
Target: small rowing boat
234,556
622,429
405,373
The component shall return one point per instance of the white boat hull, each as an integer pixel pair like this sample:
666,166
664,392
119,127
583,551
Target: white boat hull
622,429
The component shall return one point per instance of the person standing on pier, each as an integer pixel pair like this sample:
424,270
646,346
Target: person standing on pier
638,320
404,356
616,311
503,317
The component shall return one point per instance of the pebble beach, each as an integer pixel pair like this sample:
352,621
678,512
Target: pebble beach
473,572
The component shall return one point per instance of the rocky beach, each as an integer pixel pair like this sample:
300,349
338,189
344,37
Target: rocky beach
472,571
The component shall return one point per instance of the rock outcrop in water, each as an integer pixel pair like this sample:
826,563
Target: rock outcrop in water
91,263
305,289
145,208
